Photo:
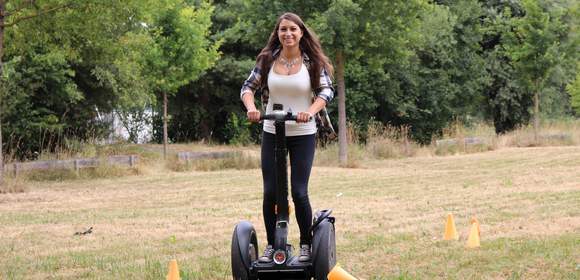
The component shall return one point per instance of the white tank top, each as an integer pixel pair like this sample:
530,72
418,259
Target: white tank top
295,94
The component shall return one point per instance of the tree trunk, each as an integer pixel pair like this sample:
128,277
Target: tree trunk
342,141
536,114
2,11
164,125
204,127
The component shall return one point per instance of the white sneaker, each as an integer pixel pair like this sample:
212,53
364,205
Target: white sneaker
304,253
267,256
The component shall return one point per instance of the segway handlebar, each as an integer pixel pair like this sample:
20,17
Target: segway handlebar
280,116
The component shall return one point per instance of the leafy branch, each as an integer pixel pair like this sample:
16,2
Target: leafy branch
38,12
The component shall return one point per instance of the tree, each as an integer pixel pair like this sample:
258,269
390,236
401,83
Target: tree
535,50
10,15
181,52
377,30
337,29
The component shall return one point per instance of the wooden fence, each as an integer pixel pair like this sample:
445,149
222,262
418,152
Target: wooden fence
75,164
463,141
189,156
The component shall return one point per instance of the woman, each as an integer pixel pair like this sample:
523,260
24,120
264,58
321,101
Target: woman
291,70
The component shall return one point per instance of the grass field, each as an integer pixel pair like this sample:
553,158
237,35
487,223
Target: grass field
390,219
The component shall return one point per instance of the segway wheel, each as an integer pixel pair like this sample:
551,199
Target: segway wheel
323,249
244,250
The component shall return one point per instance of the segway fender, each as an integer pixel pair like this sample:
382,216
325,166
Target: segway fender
320,216
243,230
323,248
322,225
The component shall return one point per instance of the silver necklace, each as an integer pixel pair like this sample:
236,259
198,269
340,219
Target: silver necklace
288,63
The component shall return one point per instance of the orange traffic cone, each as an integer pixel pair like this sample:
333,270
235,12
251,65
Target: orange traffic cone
475,221
337,273
173,273
450,230
474,235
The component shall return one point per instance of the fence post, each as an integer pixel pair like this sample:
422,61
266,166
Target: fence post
131,160
16,171
77,165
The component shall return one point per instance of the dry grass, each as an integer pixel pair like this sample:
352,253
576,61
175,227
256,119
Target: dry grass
388,142
390,217
562,133
101,171
238,160
382,142
13,185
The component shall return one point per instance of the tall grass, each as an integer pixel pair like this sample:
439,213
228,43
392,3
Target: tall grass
460,139
390,142
13,185
382,142
551,133
101,171
238,160
386,141
90,149
328,155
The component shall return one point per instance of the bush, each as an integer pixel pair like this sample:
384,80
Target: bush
237,130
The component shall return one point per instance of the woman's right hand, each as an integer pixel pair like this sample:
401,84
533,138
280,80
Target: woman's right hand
253,115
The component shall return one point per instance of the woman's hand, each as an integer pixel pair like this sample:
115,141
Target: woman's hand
253,115
303,117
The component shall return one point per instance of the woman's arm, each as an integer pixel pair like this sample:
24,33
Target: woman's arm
251,83
247,94
252,113
324,94
325,89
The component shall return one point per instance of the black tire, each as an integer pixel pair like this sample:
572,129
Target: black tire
244,250
323,249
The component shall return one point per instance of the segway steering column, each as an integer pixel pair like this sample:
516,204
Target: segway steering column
282,208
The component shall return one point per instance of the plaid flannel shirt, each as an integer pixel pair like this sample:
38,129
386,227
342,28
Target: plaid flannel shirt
324,91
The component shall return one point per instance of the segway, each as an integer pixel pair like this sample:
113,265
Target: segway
245,265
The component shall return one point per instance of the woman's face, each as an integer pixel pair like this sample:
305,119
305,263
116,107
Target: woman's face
289,33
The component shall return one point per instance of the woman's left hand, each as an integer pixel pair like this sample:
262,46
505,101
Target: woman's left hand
303,117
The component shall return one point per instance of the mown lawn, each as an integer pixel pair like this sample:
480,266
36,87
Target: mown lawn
390,219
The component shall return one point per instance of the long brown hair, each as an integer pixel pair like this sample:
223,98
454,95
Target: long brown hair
309,44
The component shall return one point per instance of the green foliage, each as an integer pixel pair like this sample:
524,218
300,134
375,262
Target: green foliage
69,66
574,91
417,64
181,51
534,46
237,130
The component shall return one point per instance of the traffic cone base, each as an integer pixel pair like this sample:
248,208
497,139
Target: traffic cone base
337,273
450,230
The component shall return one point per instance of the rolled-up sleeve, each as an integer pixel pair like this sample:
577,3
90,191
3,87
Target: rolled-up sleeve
252,82
325,90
